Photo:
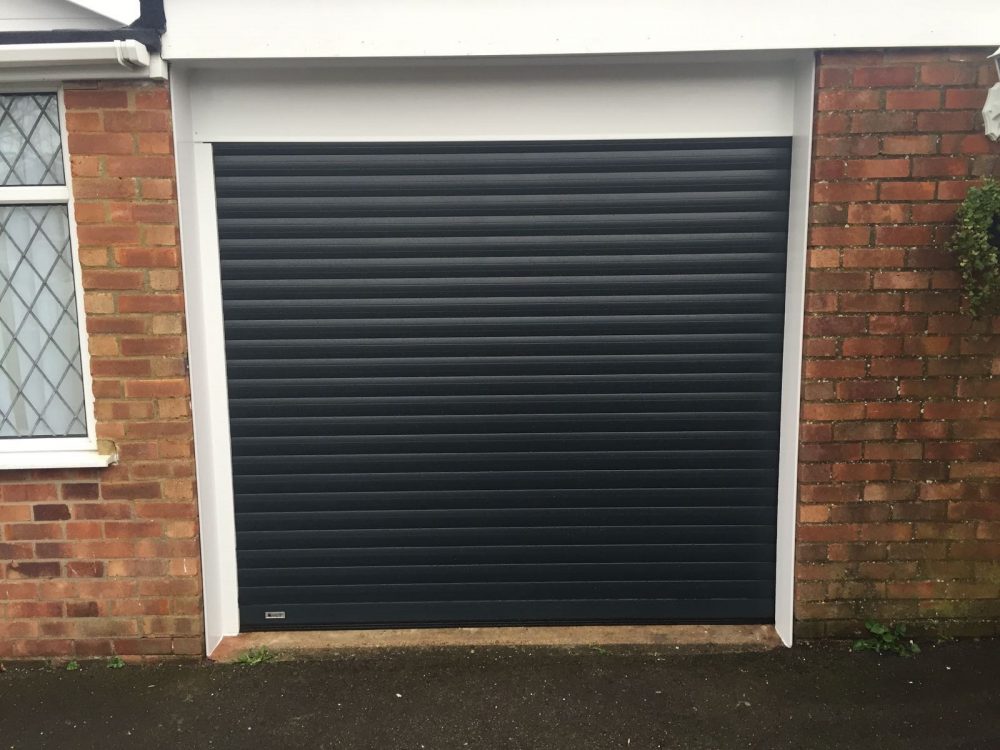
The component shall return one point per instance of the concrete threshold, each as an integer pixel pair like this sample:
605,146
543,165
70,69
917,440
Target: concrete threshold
320,642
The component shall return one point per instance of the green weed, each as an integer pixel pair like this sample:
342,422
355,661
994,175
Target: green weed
255,656
886,639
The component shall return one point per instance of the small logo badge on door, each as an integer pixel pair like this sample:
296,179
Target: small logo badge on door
274,615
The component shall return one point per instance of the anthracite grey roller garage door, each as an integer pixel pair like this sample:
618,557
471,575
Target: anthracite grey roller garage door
504,382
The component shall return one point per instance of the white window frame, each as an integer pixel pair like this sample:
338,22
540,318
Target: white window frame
56,452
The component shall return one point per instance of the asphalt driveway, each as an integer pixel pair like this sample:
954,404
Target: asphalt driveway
805,698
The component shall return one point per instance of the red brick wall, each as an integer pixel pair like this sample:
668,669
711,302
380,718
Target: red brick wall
105,561
900,459
899,513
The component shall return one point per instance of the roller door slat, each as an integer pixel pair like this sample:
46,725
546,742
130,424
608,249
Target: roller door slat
726,554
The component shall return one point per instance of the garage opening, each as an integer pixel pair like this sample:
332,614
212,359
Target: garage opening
482,383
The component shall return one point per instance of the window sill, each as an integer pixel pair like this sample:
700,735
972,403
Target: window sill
55,459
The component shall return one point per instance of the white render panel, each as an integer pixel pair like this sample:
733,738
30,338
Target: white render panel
223,29
616,98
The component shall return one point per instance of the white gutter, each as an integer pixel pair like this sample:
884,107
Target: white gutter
128,52
78,61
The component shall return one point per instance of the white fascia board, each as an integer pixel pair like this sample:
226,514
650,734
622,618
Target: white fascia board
459,28
78,61
122,11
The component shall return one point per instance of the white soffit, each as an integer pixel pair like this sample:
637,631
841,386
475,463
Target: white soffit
497,99
46,15
233,29
122,11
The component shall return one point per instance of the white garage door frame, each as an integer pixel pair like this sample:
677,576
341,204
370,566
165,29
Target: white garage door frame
609,97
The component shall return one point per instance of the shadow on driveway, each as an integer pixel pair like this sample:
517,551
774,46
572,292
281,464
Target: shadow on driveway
808,698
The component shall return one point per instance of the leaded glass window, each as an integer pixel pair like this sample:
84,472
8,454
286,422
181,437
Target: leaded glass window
41,370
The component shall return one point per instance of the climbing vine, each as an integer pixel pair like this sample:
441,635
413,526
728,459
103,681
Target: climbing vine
976,243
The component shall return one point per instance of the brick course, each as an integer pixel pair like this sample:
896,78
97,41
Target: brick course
899,498
95,562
